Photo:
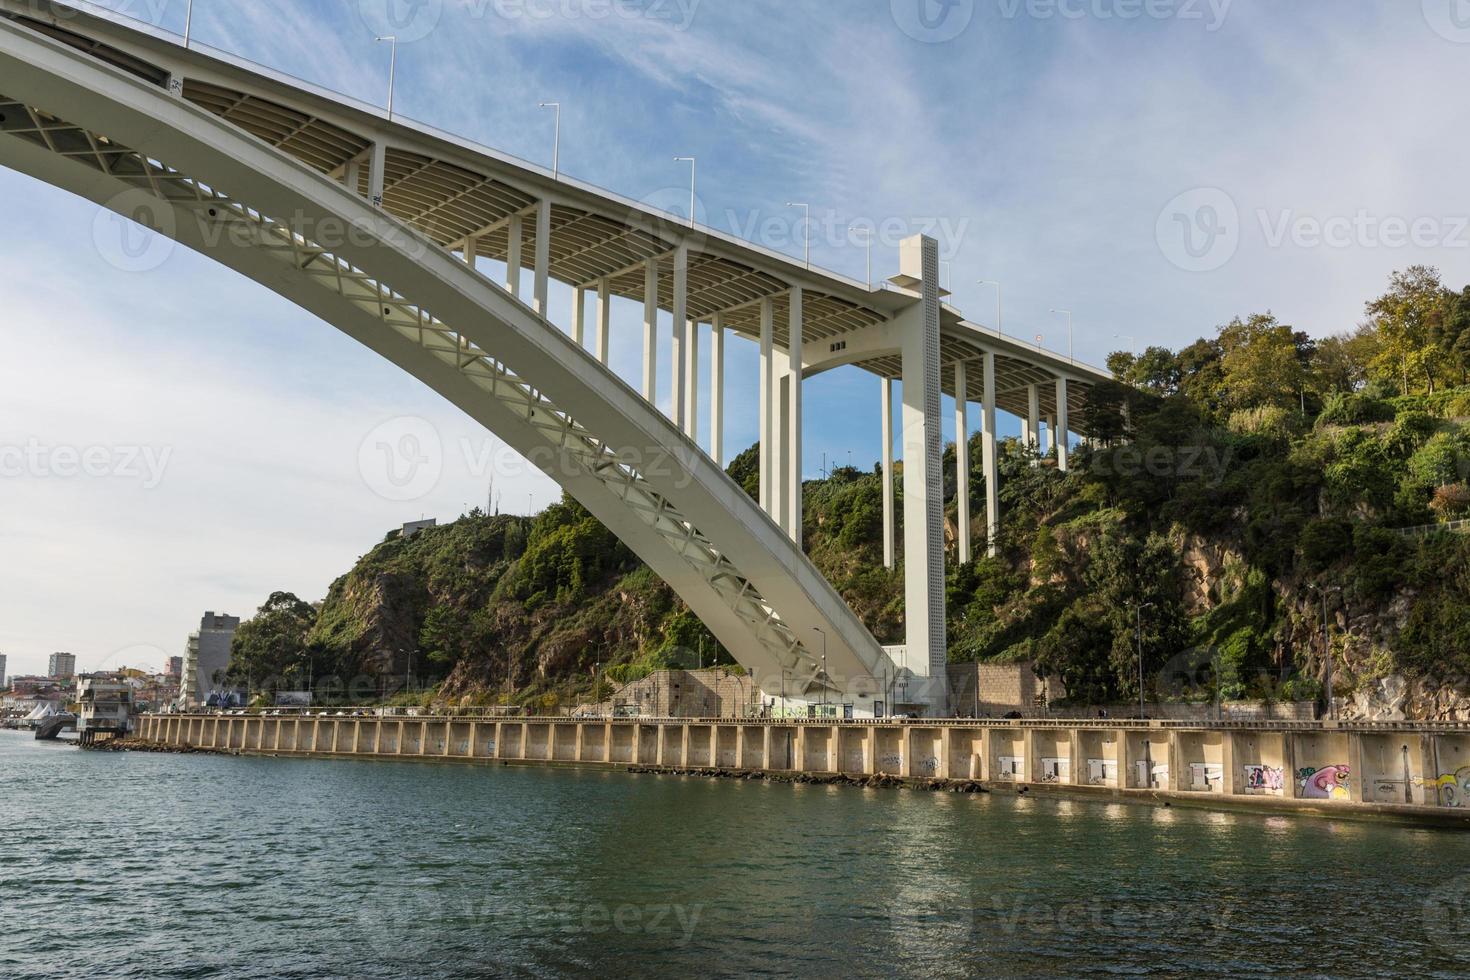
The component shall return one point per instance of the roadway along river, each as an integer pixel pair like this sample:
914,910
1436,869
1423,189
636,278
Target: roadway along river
134,865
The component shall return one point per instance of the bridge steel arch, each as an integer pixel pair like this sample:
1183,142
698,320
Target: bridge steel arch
128,144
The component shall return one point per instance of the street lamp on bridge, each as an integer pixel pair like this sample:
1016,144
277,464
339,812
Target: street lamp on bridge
1068,315
999,330
392,40
693,176
824,668
806,230
556,142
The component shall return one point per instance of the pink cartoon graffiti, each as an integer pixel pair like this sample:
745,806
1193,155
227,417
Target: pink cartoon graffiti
1327,783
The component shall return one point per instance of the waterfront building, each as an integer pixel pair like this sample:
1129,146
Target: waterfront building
996,690
106,703
175,667
62,666
207,657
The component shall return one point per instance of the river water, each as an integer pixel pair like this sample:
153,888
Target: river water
138,865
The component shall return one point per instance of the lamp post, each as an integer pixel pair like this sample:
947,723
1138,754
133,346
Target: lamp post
392,40
693,177
1326,649
1142,708
556,143
1068,315
868,241
188,22
999,329
824,668
806,230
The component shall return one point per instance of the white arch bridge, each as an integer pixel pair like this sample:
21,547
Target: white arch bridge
390,232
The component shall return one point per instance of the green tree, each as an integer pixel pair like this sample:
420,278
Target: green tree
1264,362
270,650
1409,321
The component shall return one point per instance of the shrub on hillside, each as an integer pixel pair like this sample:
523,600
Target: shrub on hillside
1324,542
1354,409
1451,501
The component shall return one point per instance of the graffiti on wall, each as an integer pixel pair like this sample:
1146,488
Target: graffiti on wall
1264,778
1453,788
1327,783
1102,772
1056,770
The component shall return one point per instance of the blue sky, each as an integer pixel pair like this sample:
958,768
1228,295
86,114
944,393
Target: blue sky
1306,149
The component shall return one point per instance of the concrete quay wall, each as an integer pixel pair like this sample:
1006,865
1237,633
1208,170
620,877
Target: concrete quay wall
1417,770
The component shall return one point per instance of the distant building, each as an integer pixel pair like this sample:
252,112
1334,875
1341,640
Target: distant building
207,657
62,666
33,686
3,685
106,703
711,693
175,667
414,527
996,690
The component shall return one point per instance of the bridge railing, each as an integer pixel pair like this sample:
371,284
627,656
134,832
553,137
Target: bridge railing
1421,530
1132,724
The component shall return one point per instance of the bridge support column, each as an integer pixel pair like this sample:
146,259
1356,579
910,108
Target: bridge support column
923,483
717,391
1060,438
889,560
377,161
691,379
1049,436
543,255
1033,417
767,389
471,251
677,363
962,462
513,236
603,324
793,420
579,316
990,458
780,411
650,332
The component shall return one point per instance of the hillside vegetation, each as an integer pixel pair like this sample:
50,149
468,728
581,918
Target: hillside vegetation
1242,483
